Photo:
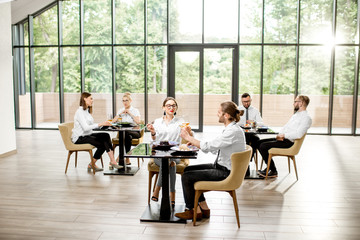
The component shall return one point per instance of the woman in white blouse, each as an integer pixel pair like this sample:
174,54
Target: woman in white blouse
131,115
167,128
83,132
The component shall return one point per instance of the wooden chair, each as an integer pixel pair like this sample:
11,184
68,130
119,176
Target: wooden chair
239,164
154,170
134,142
286,152
65,131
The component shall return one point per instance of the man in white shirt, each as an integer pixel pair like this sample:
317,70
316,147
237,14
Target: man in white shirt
295,128
250,115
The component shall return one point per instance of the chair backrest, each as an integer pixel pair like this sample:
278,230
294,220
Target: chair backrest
239,164
292,151
65,131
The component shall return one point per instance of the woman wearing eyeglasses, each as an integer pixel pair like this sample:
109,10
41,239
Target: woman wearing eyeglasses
167,128
131,115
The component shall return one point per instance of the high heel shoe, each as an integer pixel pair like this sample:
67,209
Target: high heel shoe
97,169
173,204
114,165
205,212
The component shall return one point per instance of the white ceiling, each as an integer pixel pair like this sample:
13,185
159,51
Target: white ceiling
20,9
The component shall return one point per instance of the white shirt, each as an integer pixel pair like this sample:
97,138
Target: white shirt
231,140
297,126
254,115
168,132
126,117
83,124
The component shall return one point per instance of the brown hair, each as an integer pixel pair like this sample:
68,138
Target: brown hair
304,99
128,95
83,103
231,108
168,99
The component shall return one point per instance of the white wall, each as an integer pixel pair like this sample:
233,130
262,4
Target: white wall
7,123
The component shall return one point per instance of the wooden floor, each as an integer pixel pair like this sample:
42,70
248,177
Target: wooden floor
38,201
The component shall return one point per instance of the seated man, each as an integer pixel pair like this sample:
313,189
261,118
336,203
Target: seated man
295,128
251,115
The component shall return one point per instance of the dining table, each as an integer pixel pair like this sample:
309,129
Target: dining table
161,211
121,129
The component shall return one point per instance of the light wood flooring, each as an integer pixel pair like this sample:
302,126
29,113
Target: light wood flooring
38,201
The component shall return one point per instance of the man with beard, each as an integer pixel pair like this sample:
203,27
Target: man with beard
295,128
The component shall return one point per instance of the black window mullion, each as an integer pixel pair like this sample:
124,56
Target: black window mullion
60,63
82,67
31,72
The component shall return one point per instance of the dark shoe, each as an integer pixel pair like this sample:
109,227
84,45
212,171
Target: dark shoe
270,174
205,212
262,172
247,172
128,163
173,204
188,215
155,199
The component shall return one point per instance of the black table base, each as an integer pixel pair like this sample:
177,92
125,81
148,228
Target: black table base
152,214
129,171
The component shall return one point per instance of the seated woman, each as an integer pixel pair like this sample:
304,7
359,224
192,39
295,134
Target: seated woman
167,128
131,115
82,132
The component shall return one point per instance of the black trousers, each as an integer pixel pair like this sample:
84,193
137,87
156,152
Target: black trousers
129,136
266,144
253,140
100,140
201,172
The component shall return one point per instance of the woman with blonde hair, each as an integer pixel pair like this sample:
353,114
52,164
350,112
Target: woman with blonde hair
83,132
128,114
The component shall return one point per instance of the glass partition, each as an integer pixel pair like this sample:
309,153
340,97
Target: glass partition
71,22
46,28
157,21
46,87
97,21
251,21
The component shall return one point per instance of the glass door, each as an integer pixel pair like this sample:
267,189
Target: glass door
201,78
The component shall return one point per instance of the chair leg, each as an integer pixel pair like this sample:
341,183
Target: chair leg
268,166
156,179
151,174
196,203
236,207
289,163
138,162
293,158
76,153
68,159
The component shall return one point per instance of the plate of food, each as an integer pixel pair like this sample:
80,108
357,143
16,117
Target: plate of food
164,145
246,126
185,149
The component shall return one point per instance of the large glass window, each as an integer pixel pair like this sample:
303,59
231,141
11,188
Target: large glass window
343,89
186,22
129,21
279,84
46,87
157,21
70,21
72,81
221,21
126,45
46,28
250,21
280,21
315,21
314,81
97,21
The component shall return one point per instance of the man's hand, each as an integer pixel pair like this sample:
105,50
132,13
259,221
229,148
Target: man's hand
280,137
